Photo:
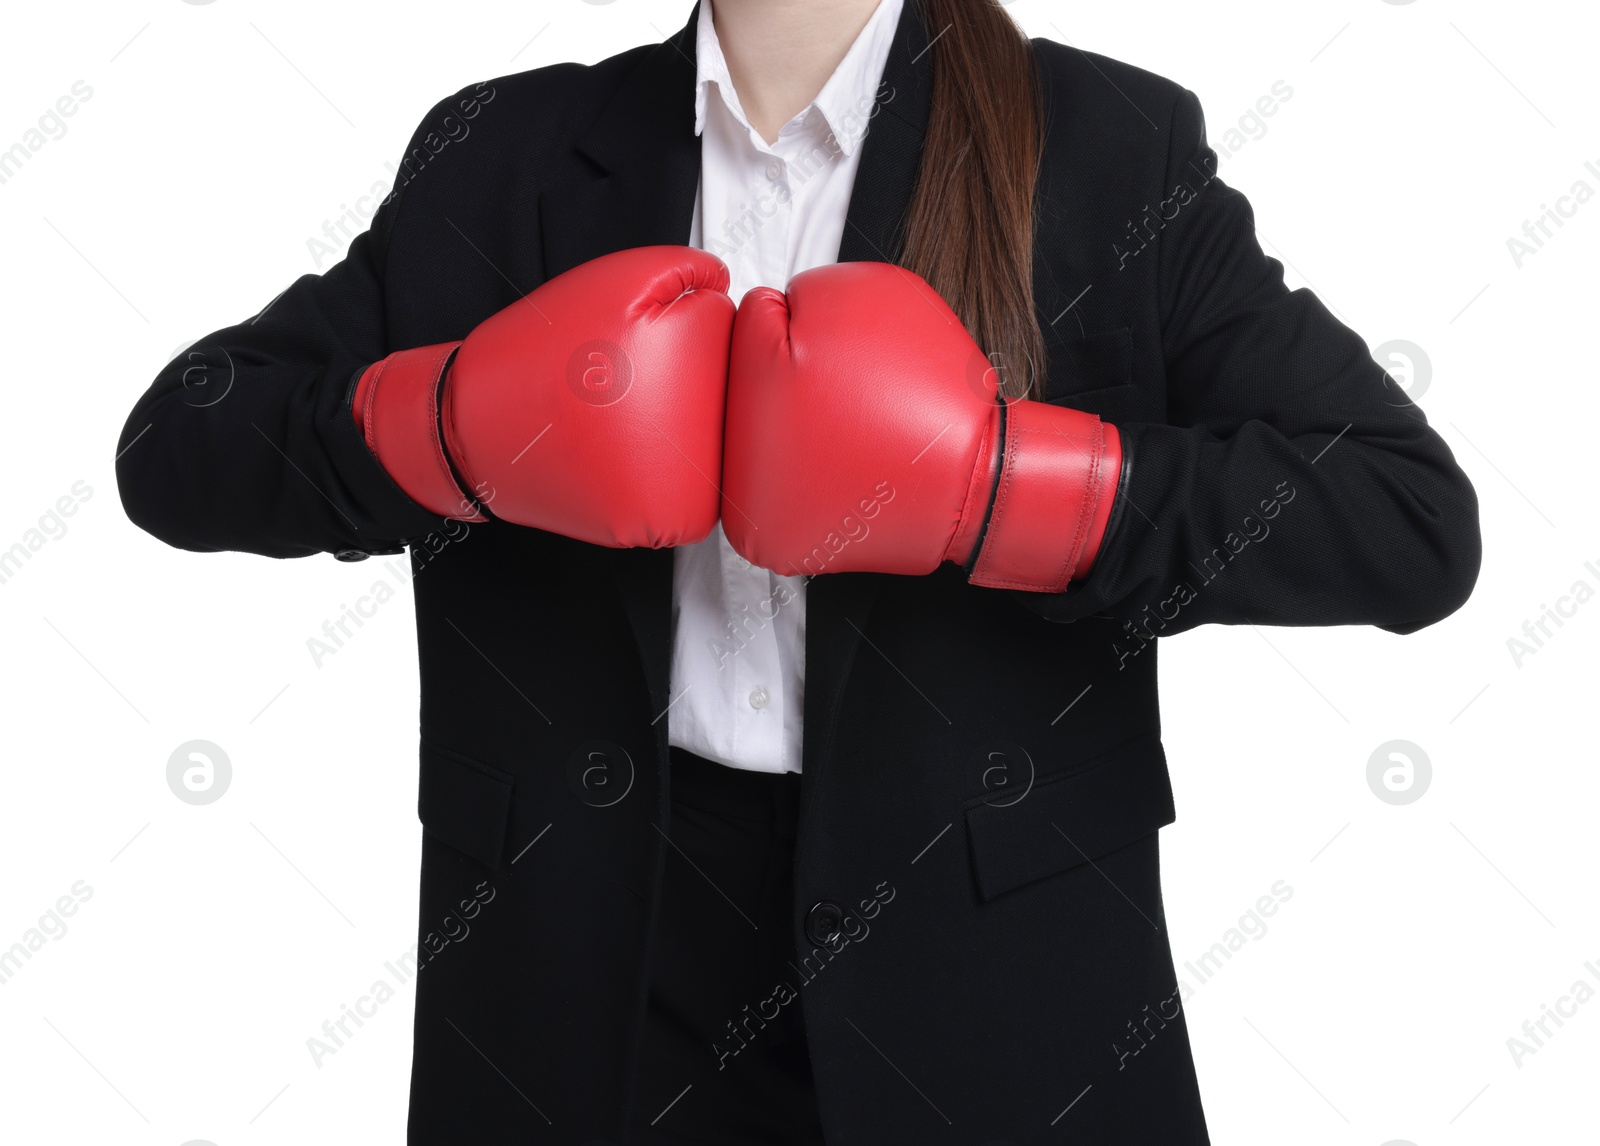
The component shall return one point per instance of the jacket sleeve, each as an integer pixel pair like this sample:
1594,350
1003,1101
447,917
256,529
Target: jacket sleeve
1293,482
246,442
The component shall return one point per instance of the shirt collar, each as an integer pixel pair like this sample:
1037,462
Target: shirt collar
845,101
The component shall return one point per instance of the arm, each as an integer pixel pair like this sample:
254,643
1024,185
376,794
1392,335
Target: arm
1293,483
305,430
246,441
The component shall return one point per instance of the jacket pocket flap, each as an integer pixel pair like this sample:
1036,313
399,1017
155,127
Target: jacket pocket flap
1068,820
464,802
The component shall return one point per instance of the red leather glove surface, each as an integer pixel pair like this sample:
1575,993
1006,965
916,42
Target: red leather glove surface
593,407
864,434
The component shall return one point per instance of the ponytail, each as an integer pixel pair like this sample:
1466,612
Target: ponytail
971,220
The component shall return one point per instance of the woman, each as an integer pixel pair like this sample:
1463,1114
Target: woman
789,730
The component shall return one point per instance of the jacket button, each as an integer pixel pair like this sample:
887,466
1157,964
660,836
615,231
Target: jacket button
350,555
822,922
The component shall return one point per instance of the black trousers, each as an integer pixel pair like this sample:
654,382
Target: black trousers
713,1070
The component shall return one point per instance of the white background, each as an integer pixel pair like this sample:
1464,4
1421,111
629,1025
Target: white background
218,139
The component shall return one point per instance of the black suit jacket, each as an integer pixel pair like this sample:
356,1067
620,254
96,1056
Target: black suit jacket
984,774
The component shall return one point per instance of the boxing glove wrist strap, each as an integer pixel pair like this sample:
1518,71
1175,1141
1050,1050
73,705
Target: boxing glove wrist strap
396,408
1057,484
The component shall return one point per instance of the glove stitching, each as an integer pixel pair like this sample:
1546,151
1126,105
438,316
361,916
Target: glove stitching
1063,570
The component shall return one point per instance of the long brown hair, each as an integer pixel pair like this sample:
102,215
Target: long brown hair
970,226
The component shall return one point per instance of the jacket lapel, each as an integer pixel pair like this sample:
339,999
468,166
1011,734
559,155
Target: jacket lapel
644,144
649,157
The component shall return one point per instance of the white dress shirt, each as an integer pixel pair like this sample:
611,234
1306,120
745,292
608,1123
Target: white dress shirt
769,211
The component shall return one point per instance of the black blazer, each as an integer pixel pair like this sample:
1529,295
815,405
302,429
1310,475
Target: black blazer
984,774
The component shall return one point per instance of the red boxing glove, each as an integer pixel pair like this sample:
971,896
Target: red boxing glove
591,408
864,433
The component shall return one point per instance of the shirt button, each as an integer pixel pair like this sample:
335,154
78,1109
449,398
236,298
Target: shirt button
775,170
741,562
758,698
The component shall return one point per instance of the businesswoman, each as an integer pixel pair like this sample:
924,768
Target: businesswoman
790,766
